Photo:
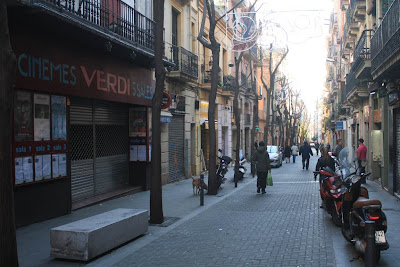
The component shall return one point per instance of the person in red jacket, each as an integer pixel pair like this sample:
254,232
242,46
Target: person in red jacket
361,155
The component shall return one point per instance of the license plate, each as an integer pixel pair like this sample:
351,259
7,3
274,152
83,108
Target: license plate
380,237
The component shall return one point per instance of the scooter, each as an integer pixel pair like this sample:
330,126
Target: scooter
242,168
357,209
222,168
330,189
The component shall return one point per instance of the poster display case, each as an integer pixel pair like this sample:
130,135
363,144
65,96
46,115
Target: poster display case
40,137
139,134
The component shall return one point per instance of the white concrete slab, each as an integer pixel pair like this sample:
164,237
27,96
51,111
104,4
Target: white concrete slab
91,237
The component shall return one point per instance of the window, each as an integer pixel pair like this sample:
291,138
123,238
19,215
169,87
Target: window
175,49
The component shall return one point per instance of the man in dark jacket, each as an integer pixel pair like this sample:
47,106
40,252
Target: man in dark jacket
305,152
263,166
338,147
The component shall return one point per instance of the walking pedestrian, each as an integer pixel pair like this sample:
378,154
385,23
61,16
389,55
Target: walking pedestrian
324,161
295,152
317,147
256,145
361,155
305,152
261,158
287,152
338,147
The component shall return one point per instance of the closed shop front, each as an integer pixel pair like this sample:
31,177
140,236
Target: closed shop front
78,132
396,134
98,147
176,147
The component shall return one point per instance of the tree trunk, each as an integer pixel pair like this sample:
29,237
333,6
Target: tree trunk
156,209
267,119
237,111
8,242
212,177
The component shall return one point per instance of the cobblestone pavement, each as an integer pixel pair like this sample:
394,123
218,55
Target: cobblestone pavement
284,227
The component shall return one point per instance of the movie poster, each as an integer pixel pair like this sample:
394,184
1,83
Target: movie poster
23,126
137,122
59,117
42,117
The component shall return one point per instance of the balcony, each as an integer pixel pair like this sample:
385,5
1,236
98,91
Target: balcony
359,9
362,56
228,86
350,30
385,44
206,76
112,18
186,67
344,4
355,89
334,23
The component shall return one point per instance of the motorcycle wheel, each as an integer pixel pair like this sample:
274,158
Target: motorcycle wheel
346,231
336,217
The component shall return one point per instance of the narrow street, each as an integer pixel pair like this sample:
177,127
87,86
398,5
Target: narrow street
238,227
285,227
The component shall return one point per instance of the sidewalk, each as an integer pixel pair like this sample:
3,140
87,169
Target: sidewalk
179,205
391,207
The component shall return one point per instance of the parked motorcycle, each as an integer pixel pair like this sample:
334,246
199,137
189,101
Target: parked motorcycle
357,208
222,168
242,168
330,189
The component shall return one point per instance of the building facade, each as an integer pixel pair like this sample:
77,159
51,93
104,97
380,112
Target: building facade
364,55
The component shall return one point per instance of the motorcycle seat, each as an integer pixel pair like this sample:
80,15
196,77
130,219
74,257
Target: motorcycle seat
362,202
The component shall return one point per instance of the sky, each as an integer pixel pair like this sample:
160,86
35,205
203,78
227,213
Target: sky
303,26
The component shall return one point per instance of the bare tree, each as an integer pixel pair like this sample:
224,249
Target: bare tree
214,46
8,242
271,88
237,111
156,210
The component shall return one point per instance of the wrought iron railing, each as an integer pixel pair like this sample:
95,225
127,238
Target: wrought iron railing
387,37
206,70
189,63
362,50
184,60
343,95
349,20
228,84
352,82
113,15
353,3
243,79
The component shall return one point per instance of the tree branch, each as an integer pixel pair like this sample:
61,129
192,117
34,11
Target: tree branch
230,10
200,36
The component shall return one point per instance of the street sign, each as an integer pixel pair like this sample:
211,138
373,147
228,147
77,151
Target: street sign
340,125
166,100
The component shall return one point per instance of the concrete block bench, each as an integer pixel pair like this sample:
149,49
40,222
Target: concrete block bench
91,237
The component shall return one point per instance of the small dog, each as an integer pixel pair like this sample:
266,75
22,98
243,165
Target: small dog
196,186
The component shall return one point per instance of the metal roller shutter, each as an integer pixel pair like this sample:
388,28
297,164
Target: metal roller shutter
81,147
111,166
176,148
396,129
99,147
